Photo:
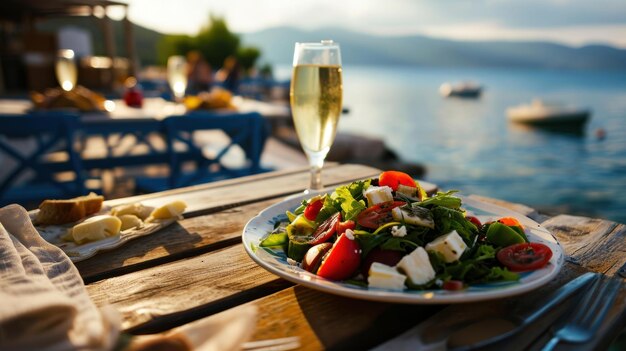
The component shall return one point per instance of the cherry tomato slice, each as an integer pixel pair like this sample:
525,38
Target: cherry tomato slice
394,178
326,229
313,257
342,261
343,226
377,215
311,211
453,285
525,256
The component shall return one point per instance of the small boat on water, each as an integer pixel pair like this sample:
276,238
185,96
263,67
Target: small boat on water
540,113
463,89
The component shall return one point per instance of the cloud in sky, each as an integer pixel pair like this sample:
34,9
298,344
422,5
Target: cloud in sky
570,21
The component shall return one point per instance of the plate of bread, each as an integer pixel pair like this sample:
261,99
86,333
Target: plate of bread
84,226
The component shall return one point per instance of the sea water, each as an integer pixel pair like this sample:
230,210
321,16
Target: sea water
468,144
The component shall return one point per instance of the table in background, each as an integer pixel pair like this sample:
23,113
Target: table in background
198,267
157,108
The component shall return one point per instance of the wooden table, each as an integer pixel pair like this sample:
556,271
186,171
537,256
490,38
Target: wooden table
198,268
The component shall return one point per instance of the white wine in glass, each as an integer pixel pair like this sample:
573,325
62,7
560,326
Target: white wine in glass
316,95
177,76
65,69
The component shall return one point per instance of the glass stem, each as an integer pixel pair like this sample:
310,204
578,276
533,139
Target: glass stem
316,178
316,161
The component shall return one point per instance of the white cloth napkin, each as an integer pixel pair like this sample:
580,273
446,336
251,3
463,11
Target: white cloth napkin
44,304
43,301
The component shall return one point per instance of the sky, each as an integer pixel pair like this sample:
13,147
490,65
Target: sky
572,22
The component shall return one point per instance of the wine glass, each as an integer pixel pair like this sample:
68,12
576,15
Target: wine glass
177,76
65,69
315,95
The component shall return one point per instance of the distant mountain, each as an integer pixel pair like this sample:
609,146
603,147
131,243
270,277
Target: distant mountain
277,46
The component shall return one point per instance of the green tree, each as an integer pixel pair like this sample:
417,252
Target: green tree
216,42
247,57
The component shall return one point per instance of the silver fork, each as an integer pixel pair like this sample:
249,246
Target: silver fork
588,315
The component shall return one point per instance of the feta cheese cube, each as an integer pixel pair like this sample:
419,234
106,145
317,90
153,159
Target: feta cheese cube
414,215
417,267
398,232
385,277
378,194
408,191
450,246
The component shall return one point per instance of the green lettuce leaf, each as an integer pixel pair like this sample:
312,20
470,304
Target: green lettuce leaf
442,199
347,199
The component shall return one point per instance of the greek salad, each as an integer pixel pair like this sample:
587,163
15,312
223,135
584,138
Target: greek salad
387,233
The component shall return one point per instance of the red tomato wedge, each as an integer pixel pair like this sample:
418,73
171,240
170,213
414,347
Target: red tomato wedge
326,229
377,215
525,256
343,226
342,261
313,209
313,257
394,178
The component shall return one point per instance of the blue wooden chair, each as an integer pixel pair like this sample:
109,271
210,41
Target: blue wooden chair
248,131
26,142
113,131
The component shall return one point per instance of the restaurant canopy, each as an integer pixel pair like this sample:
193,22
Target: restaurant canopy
18,10
25,13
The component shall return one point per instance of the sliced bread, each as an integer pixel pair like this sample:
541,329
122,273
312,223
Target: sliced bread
67,211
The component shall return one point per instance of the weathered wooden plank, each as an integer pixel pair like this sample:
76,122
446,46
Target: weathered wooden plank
596,244
216,277
325,321
230,194
224,183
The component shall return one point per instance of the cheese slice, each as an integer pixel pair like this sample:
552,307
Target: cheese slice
171,210
450,246
136,209
378,194
96,228
417,266
385,277
130,221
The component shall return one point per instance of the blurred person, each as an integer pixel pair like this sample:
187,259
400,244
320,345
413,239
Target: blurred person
199,73
228,75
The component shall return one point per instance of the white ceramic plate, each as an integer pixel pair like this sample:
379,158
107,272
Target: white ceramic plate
76,253
275,261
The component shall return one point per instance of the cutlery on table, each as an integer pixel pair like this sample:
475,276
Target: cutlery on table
587,316
521,323
433,335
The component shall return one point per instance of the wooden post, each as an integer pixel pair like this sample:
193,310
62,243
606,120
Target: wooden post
131,53
109,45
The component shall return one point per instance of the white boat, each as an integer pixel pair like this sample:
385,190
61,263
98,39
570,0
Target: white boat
548,114
463,89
